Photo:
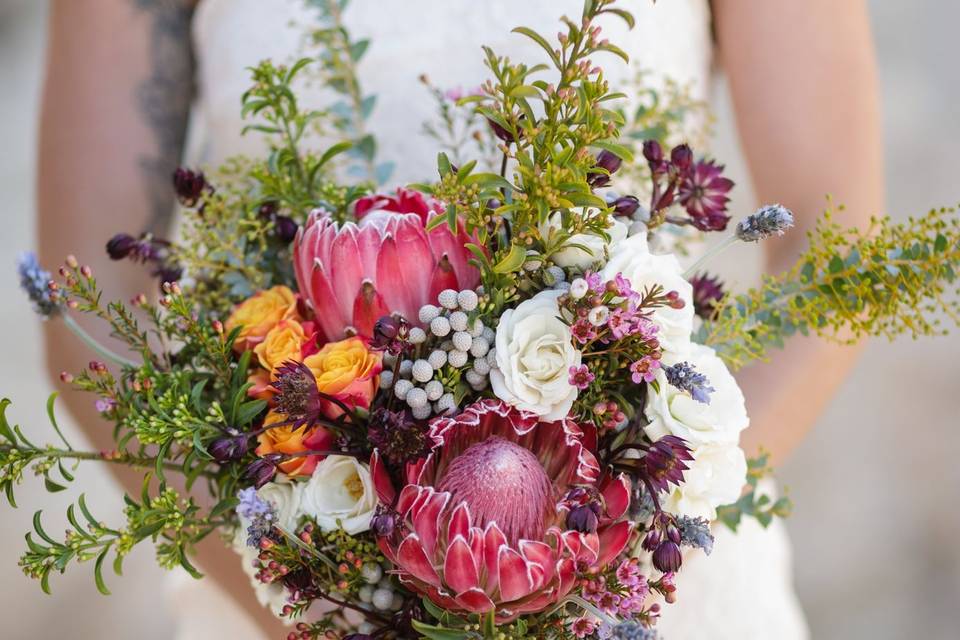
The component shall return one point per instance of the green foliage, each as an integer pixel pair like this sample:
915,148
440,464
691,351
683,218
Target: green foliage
170,522
887,280
551,126
348,114
753,503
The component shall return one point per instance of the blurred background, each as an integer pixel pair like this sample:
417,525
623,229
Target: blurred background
876,527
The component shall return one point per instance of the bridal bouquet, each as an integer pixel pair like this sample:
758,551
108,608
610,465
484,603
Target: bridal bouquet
481,408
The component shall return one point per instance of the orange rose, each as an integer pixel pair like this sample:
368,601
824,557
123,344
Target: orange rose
257,315
346,370
288,440
282,343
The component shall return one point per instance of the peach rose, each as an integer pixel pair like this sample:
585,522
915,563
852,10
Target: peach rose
257,315
288,440
346,370
286,341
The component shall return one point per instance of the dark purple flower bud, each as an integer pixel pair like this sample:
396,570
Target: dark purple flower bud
121,246
285,228
609,163
501,132
652,540
682,158
653,152
229,447
168,272
263,470
583,519
267,210
667,557
189,185
383,522
299,580
357,636
626,206
385,331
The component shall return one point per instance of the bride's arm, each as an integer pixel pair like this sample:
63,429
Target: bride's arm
804,86
114,113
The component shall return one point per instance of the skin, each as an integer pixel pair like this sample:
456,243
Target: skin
113,123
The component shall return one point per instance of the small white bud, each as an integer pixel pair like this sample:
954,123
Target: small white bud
489,335
448,299
492,358
434,390
383,599
427,313
366,628
457,358
440,326
479,347
422,371
389,359
476,329
481,366
473,378
562,286
405,368
421,413
437,358
458,321
417,335
416,397
371,572
386,379
401,388
445,403
556,274
598,315
462,341
366,594
468,300
579,288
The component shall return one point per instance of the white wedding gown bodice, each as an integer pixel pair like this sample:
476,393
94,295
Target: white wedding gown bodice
743,591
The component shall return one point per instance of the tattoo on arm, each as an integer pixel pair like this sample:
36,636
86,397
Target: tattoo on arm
164,99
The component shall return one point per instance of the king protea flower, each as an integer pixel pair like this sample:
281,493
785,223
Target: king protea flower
482,522
355,273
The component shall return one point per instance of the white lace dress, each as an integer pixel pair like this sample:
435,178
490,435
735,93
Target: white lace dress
743,591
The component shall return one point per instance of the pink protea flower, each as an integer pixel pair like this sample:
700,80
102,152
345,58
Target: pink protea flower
482,521
355,273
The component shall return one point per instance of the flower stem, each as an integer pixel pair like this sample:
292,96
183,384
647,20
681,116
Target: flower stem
92,342
586,606
714,251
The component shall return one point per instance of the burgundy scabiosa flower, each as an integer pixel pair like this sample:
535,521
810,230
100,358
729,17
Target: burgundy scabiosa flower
707,293
188,185
664,462
481,521
297,395
397,436
704,194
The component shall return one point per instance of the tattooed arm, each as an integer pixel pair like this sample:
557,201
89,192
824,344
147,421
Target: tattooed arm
115,105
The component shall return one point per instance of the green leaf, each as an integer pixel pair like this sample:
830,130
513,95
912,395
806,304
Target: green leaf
223,506
333,151
38,527
53,419
5,429
618,150
98,573
248,411
82,503
358,48
189,568
434,632
540,40
443,164
512,261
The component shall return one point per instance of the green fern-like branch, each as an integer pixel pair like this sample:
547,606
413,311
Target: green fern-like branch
889,280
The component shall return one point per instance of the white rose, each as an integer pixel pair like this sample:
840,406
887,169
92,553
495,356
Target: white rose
716,477
632,258
534,355
340,489
593,248
672,411
285,498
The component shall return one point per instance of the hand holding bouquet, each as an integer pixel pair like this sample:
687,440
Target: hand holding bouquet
485,407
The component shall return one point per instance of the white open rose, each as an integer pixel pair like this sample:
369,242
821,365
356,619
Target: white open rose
534,355
340,490
632,258
716,477
672,411
285,499
592,248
